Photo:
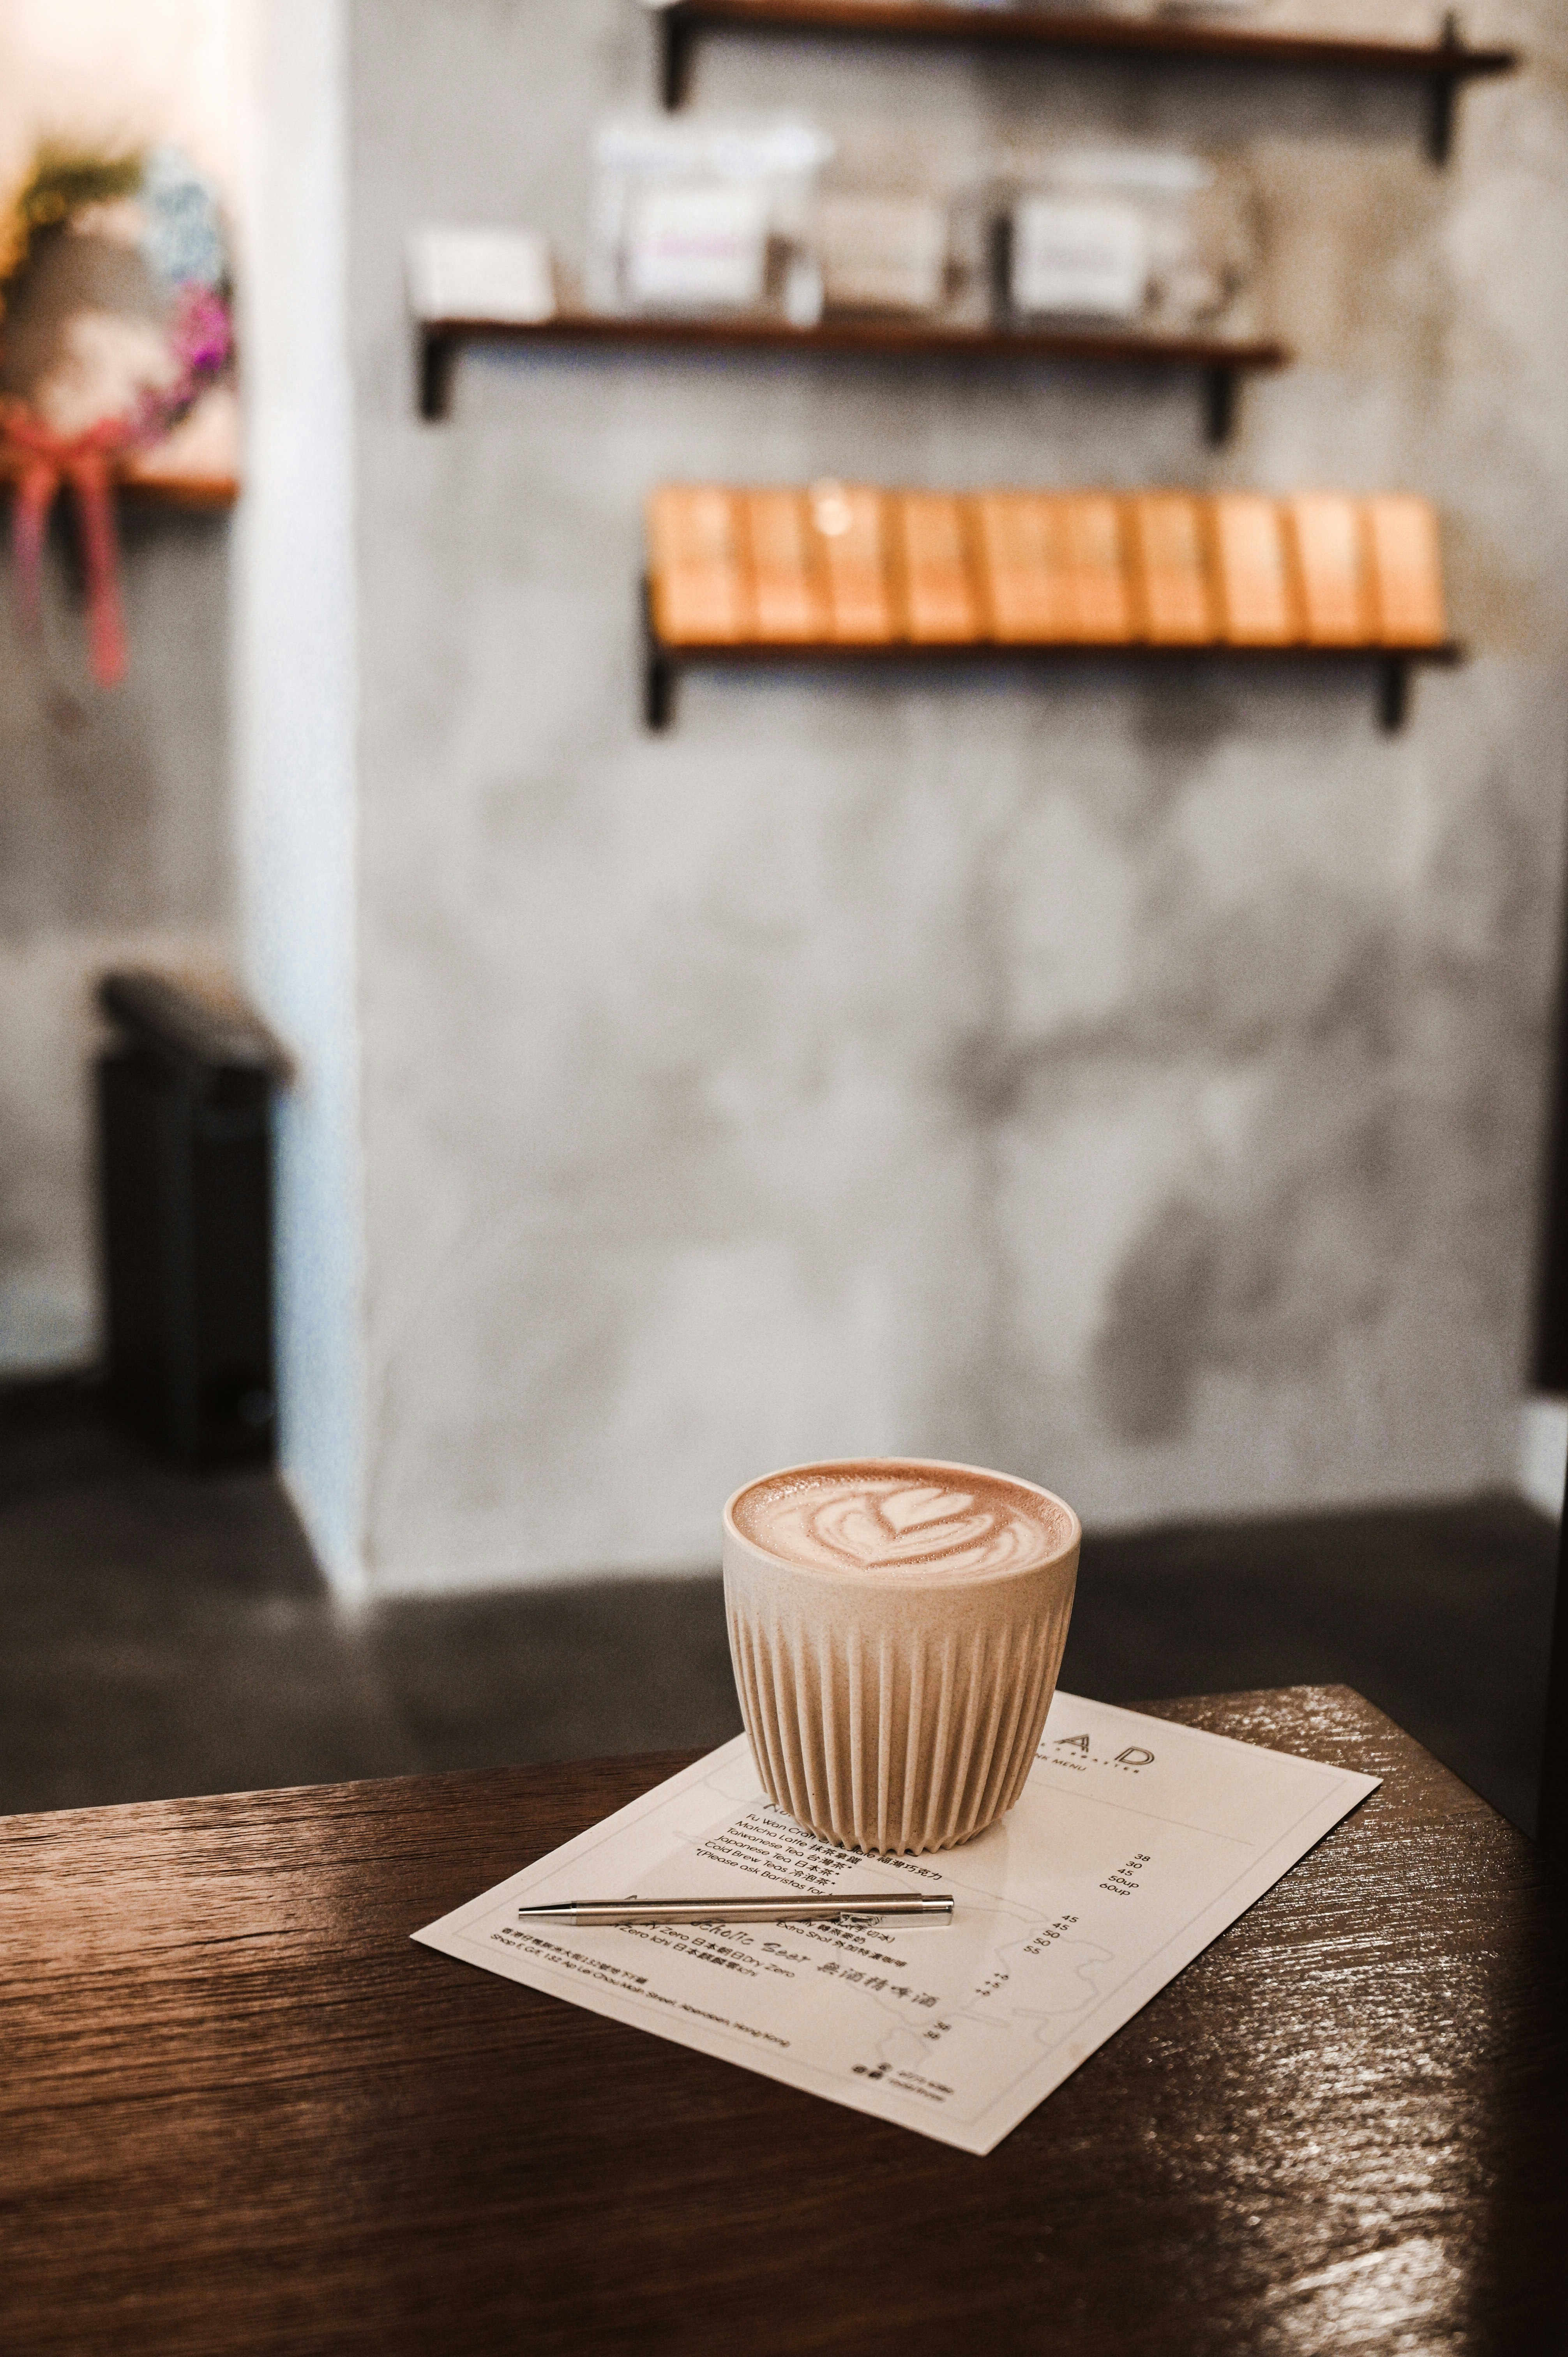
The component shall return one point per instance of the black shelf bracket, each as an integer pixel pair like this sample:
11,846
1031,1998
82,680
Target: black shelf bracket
677,38
658,671
1221,383
437,363
1393,693
1221,391
1442,93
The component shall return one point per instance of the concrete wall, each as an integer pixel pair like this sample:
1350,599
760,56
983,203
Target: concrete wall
112,849
1133,1083
114,822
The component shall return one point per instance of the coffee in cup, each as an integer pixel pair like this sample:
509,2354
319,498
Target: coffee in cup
897,1626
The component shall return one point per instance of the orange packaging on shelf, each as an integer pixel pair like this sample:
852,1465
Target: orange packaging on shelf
940,606
1407,571
1024,567
1330,569
786,585
701,593
1176,607
849,524
1100,595
1255,592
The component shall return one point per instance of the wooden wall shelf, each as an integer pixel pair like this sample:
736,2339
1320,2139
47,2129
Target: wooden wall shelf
1220,363
207,494
663,663
1444,66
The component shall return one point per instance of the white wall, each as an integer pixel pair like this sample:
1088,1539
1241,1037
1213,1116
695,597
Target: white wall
294,743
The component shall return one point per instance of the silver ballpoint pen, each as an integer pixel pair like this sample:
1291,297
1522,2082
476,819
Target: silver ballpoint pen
906,1905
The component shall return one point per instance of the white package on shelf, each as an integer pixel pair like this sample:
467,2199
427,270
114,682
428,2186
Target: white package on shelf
504,274
882,253
699,212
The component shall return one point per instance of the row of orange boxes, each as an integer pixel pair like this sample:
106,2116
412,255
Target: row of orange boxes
850,565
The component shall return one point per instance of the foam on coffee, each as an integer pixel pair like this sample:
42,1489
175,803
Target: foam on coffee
886,1515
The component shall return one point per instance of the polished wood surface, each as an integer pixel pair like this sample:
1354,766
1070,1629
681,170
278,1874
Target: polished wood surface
240,2111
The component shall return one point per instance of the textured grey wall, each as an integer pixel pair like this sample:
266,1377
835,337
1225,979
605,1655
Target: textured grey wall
1134,1085
113,847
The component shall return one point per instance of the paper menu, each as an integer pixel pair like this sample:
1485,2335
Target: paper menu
1135,1844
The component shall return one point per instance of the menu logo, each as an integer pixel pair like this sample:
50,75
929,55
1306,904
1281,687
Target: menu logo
1130,1761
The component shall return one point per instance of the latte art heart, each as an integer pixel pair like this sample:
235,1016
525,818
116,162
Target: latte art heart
882,1520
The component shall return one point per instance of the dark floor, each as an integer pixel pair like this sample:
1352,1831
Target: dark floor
163,1634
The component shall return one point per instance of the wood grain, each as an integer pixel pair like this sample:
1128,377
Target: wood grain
240,2111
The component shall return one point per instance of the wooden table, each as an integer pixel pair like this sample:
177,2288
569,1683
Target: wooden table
239,2111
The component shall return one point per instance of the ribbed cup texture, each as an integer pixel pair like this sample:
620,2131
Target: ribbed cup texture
889,1739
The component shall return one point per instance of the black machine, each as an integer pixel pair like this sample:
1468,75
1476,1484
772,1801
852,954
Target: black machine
185,1148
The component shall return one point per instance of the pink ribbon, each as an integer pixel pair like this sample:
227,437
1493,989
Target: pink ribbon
86,461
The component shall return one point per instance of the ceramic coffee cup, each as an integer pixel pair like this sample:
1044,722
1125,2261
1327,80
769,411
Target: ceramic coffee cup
897,1626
